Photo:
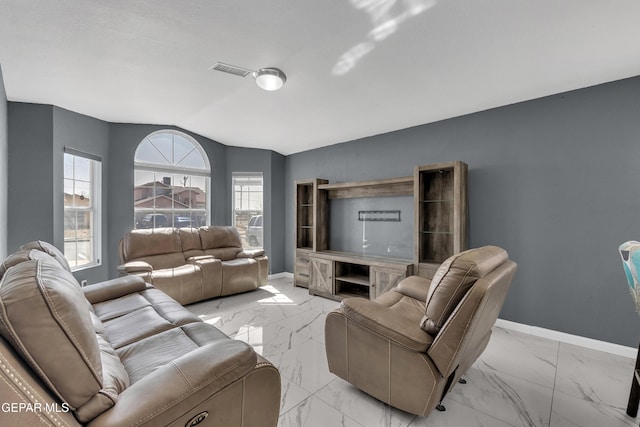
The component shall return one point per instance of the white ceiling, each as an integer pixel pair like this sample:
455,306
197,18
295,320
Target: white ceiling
354,68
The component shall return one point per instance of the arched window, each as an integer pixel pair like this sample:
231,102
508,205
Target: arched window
171,181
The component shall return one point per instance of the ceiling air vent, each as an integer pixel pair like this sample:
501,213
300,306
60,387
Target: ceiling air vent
231,69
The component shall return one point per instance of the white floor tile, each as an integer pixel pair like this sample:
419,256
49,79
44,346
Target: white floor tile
313,412
360,406
594,376
521,355
507,398
569,411
457,415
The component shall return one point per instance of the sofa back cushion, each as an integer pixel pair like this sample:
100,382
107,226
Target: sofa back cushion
45,317
190,239
157,241
20,256
453,279
214,237
49,249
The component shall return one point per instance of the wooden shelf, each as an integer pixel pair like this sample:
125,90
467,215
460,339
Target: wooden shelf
358,280
377,188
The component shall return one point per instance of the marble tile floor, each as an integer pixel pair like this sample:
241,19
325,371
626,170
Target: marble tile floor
520,380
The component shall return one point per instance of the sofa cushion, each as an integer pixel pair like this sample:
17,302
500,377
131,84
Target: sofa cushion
146,355
49,249
20,256
46,317
453,279
158,262
223,254
156,241
214,237
190,239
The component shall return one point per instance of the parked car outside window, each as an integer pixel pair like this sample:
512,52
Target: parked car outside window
254,231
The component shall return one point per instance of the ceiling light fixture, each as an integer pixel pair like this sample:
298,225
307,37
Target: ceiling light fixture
266,78
270,78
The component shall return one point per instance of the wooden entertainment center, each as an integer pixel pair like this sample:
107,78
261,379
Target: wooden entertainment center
439,230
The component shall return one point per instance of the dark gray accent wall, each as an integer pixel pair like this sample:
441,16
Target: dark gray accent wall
91,136
31,195
4,166
37,137
278,209
123,141
271,165
554,181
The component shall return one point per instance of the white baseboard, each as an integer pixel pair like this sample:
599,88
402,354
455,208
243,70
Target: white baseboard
281,276
620,350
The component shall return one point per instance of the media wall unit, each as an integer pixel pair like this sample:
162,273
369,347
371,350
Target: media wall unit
439,193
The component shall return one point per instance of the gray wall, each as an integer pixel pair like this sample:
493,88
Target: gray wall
553,180
278,209
30,199
38,135
4,165
123,141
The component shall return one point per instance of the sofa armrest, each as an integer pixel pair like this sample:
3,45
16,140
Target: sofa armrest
250,253
115,288
415,287
168,392
135,267
386,322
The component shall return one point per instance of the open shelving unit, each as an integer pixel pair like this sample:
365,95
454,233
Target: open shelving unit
310,227
440,217
440,230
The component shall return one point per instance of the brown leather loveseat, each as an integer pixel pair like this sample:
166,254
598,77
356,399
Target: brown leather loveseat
193,264
409,346
118,353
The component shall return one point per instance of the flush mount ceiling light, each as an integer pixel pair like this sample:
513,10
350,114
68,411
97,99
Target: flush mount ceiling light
266,78
270,78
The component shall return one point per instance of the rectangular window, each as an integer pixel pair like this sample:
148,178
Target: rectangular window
247,208
164,199
82,195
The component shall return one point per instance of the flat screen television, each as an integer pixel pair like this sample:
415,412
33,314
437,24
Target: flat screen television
378,226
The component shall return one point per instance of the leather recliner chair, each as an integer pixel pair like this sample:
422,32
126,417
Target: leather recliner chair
410,345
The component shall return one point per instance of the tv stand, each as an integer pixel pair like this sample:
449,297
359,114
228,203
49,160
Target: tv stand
339,275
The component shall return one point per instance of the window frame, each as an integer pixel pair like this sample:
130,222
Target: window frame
95,209
234,176
174,170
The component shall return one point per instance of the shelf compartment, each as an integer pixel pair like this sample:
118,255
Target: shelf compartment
355,279
349,290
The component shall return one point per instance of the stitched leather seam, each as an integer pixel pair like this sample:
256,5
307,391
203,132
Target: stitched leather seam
191,391
29,359
392,332
433,375
58,318
446,307
464,334
31,392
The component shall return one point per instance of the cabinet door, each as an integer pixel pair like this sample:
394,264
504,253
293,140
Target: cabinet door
321,282
302,269
383,279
